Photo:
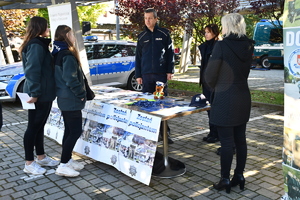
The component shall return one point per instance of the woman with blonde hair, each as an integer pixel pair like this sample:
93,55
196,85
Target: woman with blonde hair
71,96
227,73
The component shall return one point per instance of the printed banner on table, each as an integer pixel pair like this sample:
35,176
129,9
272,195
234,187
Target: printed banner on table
291,144
113,135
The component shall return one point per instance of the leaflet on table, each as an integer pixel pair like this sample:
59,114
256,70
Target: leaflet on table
113,95
117,136
173,110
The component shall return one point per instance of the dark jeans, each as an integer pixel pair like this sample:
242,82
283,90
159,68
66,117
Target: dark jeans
73,130
213,132
149,82
34,134
230,136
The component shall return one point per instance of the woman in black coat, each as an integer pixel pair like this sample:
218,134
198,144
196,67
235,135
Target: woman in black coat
211,37
227,73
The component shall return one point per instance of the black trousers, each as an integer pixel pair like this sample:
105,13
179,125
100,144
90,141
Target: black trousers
34,134
73,130
230,137
149,82
213,132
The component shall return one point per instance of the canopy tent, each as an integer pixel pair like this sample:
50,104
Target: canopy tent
30,4
27,4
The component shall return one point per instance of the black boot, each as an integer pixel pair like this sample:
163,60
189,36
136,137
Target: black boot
205,138
212,139
238,179
170,141
224,183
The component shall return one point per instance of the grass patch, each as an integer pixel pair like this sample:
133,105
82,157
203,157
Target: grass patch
256,95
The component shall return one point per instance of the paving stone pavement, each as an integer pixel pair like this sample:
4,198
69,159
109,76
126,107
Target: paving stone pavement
264,179
98,181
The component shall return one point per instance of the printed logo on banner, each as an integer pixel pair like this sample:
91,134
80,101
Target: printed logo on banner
294,62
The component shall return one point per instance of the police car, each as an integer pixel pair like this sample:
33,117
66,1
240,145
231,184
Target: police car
111,62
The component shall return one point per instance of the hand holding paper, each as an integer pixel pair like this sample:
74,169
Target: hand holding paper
24,97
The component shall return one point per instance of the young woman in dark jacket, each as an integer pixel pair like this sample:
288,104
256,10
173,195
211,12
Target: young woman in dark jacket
40,86
227,73
71,96
211,37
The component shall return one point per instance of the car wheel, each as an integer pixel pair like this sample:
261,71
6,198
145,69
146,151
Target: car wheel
265,62
132,83
20,89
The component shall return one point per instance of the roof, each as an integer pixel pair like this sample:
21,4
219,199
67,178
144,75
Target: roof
28,4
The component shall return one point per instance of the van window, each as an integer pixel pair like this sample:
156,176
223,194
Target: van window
261,35
276,35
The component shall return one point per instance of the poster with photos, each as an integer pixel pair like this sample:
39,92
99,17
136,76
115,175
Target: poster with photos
291,132
117,136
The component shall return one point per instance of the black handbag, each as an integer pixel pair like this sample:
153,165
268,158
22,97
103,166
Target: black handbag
90,95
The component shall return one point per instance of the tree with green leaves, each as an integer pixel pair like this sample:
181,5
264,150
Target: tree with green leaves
91,13
175,15
85,13
269,9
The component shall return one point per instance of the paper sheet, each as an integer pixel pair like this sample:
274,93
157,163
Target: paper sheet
24,97
173,110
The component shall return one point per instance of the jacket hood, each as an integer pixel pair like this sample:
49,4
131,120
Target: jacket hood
59,46
241,46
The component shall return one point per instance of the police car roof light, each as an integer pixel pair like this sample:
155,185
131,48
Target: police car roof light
91,38
264,20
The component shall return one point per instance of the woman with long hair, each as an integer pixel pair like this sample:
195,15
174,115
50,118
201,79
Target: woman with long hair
227,73
40,86
211,37
71,96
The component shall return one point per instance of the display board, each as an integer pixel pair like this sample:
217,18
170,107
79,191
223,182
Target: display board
120,128
120,137
59,14
291,145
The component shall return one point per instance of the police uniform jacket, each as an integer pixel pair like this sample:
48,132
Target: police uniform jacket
154,52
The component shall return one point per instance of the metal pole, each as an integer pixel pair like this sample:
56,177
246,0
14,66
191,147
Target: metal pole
8,52
117,21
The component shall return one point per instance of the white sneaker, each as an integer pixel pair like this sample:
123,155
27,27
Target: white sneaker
47,161
66,170
75,165
34,169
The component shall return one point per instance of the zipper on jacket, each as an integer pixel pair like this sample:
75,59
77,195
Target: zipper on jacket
152,45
